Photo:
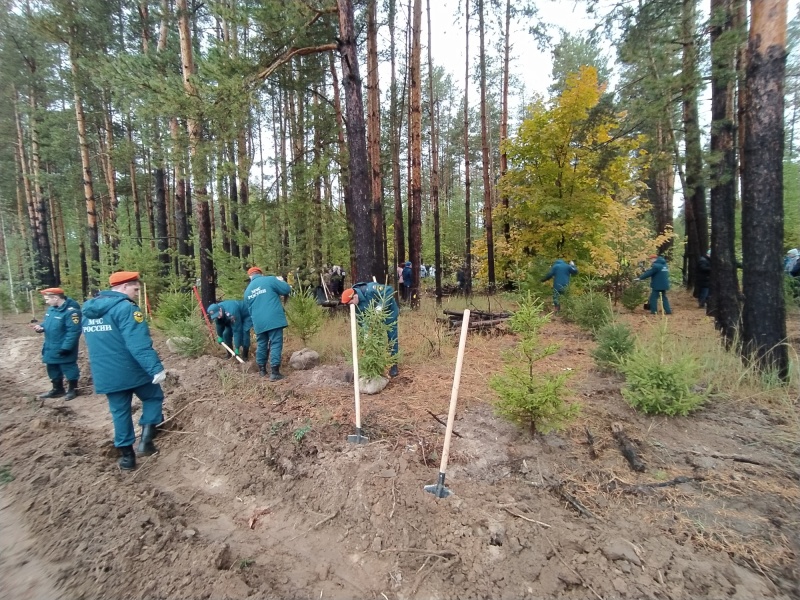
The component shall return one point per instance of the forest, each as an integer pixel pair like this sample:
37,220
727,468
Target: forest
190,140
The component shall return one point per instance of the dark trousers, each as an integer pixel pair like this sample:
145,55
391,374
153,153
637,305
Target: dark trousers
119,403
270,344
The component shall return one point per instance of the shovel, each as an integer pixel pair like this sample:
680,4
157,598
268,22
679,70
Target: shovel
228,348
438,489
357,438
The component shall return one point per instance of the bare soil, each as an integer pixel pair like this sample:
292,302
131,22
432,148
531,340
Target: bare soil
256,493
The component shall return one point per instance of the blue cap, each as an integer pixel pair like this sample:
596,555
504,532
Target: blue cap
408,263
213,310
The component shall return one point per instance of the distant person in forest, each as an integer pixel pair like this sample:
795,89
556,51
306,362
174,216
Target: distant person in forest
659,283
408,280
703,279
380,297
790,260
233,323
124,363
401,288
62,331
263,300
461,280
560,273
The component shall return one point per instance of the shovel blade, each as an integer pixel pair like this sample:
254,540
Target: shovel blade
438,490
357,438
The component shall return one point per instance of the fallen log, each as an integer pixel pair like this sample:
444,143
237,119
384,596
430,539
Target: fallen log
478,313
627,448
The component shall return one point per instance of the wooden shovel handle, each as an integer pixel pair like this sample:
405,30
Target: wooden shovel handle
354,339
451,415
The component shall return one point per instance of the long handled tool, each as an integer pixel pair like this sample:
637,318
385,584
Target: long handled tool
438,489
228,348
357,438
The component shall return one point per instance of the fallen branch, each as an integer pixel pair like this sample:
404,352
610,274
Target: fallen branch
165,421
512,513
590,440
627,448
647,488
734,458
575,502
455,433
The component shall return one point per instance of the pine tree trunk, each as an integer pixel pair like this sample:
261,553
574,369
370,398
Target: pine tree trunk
764,311
366,263
433,103
661,184
724,299
415,129
467,182
504,125
111,180
30,232
160,217
205,242
137,206
374,136
487,186
182,205
45,266
395,126
317,198
233,225
243,165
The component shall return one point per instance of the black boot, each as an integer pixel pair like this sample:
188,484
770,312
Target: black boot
56,392
245,352
262,370
127,461
276,374
146,445
72,389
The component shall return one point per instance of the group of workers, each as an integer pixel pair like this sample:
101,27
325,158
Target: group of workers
124,362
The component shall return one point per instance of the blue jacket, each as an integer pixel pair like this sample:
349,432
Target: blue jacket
377,294
659,274
560,273
62,330
121,350
263,300
408,275
235,317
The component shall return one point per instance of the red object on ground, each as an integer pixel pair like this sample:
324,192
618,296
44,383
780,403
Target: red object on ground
205,314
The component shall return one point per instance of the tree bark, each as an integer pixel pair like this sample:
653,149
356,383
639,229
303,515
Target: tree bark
433,102
366,263
764,311
205,242
415,130
374,135
467,182
344,174
395,126
724,299
487,186
45,267
504,123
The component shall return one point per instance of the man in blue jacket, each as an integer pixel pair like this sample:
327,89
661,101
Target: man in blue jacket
263,300
232,320
659,283
560,273
124,363
380,297
408,281
62,330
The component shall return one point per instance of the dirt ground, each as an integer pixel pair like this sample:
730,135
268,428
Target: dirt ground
256,493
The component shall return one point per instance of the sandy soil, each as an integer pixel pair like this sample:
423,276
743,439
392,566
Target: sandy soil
255,492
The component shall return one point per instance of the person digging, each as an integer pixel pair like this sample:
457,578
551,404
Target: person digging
233,324
381,297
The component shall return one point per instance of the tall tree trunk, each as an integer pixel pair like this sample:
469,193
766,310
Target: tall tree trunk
487,186
764,311
415,132
137,205
111,179
45,266
661,183
395,126
694,194
233,193
160,217
29,233
243,164
182,204
467,182
367,264
344,174
317,197
88,183
374,135
724,299
207,278
437,242
504,124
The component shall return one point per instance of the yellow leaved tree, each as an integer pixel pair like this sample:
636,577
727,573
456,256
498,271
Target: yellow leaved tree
574,185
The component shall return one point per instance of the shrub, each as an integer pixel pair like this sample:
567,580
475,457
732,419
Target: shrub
374,352
590,310
303,313
614,343
189,335
662,379
528,399
174,306
634,296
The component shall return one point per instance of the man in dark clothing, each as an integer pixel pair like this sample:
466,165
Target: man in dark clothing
62,330
703,279
380,297
560,273
233,323
408,281
124,363
263,300
461,281
659,283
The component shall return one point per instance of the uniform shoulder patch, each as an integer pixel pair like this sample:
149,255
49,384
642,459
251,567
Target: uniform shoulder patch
138,316
75,318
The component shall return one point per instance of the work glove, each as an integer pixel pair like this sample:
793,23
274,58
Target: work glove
219,340
160,377
572,263
63,352
236,352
